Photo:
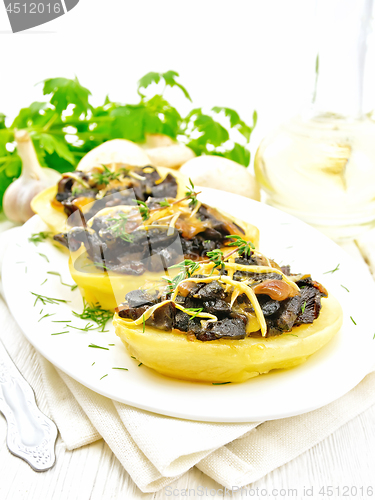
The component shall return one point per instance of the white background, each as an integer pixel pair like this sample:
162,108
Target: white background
242,54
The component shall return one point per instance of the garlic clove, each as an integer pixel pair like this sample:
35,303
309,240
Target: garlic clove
170,156
33,180
220,173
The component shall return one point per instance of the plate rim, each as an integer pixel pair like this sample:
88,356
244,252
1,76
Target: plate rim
6,271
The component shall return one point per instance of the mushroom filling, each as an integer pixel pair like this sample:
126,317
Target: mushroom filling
128,239
212,306
77,189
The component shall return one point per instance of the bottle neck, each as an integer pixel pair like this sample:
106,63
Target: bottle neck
342,28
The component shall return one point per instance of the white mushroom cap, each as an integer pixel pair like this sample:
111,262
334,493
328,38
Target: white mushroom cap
220,173
115,151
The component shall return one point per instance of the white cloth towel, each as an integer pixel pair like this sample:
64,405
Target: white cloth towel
156,450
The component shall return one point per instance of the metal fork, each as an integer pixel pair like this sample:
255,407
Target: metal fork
31,434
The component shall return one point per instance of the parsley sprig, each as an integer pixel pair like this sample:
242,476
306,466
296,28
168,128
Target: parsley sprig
66,125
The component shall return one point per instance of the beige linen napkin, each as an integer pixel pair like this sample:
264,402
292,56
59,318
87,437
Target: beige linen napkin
155,450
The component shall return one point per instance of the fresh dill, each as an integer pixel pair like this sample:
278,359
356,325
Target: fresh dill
119,368
195,310
39,237
47,300
303,307
46,316
333,270
61,321
98,347
43,282
244,247
106,375
221,383
164,203
93,363
87,328
59,333
44,256
111,344
344,287
353,320
94,312
140,364
55,273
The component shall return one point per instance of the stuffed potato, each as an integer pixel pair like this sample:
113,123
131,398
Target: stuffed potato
120,250
231,324
110,169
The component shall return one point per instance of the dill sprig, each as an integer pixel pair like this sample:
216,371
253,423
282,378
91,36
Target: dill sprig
47,300
333,270
119,227
303,307
221,383
119,368
195,310
191,194
98,347
164,203
46,316
143,209
94,312
39,237
44,256
55,273
244,247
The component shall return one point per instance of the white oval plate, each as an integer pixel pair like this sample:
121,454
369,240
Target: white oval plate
326,376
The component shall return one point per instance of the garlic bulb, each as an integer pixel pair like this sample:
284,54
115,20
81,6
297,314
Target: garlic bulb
220,173
33,180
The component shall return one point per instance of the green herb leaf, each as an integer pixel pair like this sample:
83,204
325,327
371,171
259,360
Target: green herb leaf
244,247
143,209
94,312
98,347
39,237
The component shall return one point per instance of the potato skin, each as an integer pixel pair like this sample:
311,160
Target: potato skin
227,360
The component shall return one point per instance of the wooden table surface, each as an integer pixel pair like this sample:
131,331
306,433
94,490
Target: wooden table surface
344,461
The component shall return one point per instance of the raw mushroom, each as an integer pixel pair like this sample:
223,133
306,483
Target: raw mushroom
117,151
170,156
220,173
33,180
